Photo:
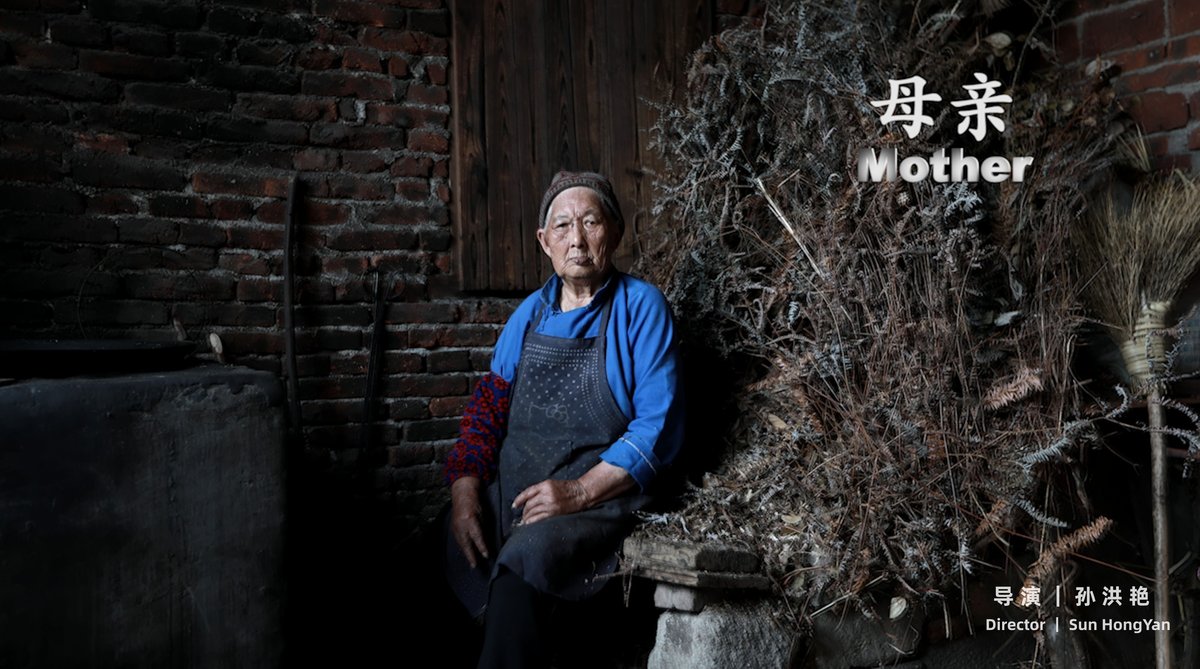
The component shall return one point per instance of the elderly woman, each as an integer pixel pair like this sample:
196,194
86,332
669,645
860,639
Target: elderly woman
560,443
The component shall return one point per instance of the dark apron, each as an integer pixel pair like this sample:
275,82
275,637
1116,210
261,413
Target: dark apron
561,418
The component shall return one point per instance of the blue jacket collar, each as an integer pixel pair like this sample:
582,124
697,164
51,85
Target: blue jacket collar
550,291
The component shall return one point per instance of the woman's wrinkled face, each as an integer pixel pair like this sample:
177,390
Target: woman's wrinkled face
578,237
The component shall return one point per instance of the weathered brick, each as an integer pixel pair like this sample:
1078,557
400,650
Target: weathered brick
354,137
169,286
365,60
286,28
355,265
310,212
414,190
332,412
489,311
66,85
1157,111
238,343
102,142
406,455
311,365
179,96
127,65
1169,74
319,57
202,234
230,314
259,290
234,21
47,199
201,45
426,116
22,23
410,214
110,203
253,264
448,406
1185,18
239,184
338,340
246,130
144,121
406,408
179,15
146,42
48,226
357,239
435,23
449,361
147,231
431,430
465,335
423,312
1137,24
412,166
119,171
390,114
157,257
254,78
346,186
264,52
340,314
405,41
43,56
20,109
341,84
436,73
427,95
367,13
435,239
316,160
287,107
427,385
429,141
365,161
228,209
22,168
245,237
397,66
481,360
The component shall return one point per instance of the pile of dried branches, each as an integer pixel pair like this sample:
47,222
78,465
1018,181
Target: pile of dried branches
903,349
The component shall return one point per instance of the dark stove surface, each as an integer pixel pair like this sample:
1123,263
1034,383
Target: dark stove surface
25,358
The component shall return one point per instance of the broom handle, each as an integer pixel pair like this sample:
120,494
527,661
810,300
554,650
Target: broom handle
1158,470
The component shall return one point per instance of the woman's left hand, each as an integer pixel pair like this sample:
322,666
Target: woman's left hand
551,498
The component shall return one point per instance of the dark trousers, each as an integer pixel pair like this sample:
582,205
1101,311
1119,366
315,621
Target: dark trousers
515,625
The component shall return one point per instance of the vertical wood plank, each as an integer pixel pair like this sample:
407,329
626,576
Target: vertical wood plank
616,79
469,179
502,147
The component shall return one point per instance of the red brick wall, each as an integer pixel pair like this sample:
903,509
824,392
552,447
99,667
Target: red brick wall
145,153
1156,45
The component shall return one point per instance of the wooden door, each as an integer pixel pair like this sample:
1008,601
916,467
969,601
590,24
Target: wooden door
540,86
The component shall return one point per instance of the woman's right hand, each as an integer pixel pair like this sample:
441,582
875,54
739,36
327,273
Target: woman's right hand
465,513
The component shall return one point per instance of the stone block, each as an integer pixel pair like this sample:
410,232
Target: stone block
727,634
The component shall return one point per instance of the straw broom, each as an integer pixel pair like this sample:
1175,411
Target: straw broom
1136,263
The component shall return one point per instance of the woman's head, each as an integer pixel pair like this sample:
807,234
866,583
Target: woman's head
581,226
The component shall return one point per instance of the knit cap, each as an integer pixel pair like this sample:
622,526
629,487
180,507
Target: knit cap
597,182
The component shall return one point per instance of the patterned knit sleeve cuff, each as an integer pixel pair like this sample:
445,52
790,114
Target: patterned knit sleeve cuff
481,431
